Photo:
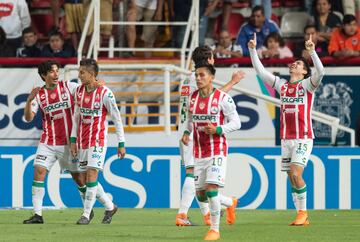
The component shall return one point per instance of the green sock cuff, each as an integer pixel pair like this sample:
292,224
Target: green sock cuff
212,193
300,190
38,184
82,189
201,198
190,175
91,184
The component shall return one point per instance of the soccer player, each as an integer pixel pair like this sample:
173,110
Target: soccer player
56,102
296,134
212,114
200,54
89,132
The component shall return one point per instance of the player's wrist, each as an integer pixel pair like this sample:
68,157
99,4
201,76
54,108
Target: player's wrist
186,132
72,140
121,145
219,130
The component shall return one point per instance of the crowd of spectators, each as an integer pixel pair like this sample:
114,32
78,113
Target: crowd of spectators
335,33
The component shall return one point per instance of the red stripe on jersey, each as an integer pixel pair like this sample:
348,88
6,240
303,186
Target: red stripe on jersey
204,110
295,118
56,107
92,124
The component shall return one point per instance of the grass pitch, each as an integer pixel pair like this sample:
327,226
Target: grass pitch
159,225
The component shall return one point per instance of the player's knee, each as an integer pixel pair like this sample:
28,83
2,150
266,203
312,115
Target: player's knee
39,173
201,196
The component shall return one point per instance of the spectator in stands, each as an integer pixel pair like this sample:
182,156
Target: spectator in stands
30,47
5,50
74,18
57,47
55,9
148,10
257,24
14,18
266,5
320,47
352,7
179,12
325,20
225,48
274,47
206,9
345,41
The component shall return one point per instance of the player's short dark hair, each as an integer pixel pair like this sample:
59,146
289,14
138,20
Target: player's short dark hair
306,66
28,30
258,8
201,53
309,26
90,63
208,66
348,18
45,67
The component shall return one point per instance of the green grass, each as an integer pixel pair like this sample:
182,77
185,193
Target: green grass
158,225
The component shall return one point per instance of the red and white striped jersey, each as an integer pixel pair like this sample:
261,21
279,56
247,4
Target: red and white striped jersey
219,109
296,101
90,126
296,98
57,107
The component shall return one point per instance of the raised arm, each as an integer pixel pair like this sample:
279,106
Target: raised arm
317,76
265,75
235,79
31,106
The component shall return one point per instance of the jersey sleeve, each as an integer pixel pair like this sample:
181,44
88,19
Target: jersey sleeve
229,109
35,104
113,111
314,80
75,120
72,87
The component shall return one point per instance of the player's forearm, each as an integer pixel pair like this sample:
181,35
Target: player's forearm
233,124
75,123
28,113
319,68
265,75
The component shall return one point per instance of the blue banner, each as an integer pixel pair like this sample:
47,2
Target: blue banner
151,178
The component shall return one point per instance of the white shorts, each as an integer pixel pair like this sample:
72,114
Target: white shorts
93,157
47,155
187,154
295,151
211,170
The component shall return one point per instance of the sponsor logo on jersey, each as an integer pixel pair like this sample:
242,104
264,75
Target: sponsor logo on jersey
90,112
214,110
292,100
41,157
56,106
200,118
42,96
214,101
57,116
290,110
185,90
301,92
202,105
86,120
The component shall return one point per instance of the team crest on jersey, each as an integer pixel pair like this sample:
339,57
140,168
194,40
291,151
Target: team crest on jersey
97,105
202,105
214,110
354,41
53,95
87,100
291,90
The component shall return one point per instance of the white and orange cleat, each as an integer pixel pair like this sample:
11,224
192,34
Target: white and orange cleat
230,212
183,220
212,235
301,219
207,220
